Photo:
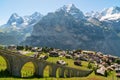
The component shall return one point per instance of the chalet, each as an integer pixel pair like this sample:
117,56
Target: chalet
34,49
77,62
117,69
43,57
61,62
101,70
53,54
88,52
68,56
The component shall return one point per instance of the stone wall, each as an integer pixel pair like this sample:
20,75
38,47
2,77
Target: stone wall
16,61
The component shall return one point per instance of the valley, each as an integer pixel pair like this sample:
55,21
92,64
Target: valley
59,40
66,28
28,69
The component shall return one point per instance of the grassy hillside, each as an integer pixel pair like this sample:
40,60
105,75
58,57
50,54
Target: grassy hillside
28,70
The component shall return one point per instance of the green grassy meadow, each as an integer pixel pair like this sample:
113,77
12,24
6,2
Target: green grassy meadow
28,71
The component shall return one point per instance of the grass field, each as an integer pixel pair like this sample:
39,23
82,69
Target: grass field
70,62
28,70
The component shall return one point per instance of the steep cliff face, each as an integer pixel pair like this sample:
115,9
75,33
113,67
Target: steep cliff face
68,28
62,30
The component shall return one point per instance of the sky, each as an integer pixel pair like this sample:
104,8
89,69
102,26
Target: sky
27,7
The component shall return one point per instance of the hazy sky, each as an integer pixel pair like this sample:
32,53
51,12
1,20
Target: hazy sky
27,7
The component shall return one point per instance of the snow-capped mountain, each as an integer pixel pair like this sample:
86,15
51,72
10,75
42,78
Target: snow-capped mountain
19,27
22,24
112,13
67,28
71,9
15,19
107,14
92,14
32,19
17,22
111,10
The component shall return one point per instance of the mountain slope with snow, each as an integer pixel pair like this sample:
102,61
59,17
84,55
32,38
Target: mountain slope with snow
19,27
112,13
63,30
108,14
67,28
73,10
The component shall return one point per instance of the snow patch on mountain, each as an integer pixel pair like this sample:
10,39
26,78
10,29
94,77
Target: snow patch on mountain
72,10
110,17
112,13
20,26
92,14
107,14
17,22
15,19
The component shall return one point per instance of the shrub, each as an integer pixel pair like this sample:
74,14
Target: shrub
117,61
106,73
89,65
20,47
1,47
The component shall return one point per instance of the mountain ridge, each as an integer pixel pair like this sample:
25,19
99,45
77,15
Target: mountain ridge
62,30
69,28
18,27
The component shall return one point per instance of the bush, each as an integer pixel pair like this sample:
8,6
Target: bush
106,73
78,63
28,48
4,73
117,61
1,47
89,65
20,47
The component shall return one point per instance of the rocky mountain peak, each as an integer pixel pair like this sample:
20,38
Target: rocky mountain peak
73,10
112,13
111,10
69,7
14,19
36,14
15,15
